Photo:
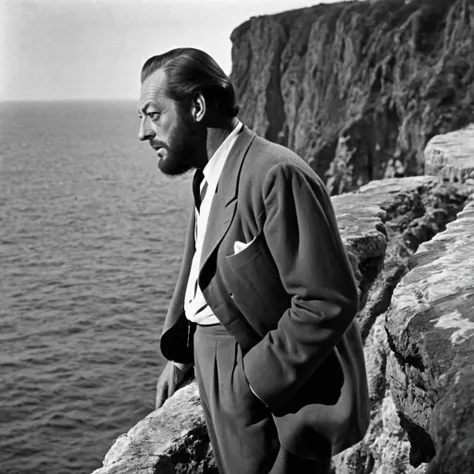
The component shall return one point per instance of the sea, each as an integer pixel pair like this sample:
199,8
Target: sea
91,239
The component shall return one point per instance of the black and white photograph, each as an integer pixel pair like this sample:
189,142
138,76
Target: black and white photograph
236,237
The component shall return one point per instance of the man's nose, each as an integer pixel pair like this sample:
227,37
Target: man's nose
145,132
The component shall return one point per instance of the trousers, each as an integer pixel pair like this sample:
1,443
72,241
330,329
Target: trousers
241,429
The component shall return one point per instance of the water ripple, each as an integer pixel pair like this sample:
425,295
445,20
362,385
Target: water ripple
91,239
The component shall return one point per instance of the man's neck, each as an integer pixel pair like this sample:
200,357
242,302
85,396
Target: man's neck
217,136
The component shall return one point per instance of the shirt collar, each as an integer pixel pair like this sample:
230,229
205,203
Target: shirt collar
213,169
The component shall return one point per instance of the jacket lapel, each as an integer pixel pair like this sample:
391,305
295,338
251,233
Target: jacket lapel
225,200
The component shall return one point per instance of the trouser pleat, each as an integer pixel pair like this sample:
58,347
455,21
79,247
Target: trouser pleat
241,429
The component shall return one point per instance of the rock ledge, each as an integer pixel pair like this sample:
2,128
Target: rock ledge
431,333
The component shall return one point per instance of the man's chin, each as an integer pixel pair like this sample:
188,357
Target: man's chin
170,167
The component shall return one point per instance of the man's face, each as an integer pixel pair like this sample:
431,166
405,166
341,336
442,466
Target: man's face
168,127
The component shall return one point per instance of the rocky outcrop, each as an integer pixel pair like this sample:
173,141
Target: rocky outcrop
384,221
451,156
416,209
386,447
358,88
431,333
170,440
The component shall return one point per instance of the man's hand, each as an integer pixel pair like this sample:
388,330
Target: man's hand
170,380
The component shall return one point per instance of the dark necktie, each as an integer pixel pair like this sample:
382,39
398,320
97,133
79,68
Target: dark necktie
199,193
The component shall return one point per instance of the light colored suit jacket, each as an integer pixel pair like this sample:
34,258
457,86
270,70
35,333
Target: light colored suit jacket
289,298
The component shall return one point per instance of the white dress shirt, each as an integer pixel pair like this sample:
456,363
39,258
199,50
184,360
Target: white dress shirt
195,305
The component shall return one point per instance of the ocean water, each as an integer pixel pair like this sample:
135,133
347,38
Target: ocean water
91,238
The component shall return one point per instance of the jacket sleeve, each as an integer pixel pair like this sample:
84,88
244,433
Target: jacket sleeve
301,233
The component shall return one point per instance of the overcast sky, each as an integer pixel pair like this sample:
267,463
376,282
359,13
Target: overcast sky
57,49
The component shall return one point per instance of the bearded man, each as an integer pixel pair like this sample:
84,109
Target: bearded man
265,303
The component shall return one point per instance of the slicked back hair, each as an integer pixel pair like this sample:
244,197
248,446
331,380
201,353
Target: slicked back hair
189,71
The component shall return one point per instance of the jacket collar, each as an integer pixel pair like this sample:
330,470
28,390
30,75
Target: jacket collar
225,200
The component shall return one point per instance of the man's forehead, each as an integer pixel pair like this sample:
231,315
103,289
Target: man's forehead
153,87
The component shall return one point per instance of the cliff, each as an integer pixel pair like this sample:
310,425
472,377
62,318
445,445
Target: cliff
358,88
412,238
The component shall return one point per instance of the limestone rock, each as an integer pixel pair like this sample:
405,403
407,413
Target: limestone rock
358,88
385,448
413,210
171,440
431,334
451,156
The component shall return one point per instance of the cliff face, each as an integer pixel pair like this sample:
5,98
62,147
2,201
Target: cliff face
358,88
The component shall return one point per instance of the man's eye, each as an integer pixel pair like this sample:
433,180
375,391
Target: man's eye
154,115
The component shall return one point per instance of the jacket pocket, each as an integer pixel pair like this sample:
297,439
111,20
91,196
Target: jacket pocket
256,287
251,251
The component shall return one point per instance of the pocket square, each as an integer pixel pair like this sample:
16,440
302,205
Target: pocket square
239,246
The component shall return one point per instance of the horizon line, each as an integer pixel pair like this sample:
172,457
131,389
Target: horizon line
70,99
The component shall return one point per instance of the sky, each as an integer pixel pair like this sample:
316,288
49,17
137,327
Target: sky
94,49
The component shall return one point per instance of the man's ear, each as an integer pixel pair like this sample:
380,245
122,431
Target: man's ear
198,107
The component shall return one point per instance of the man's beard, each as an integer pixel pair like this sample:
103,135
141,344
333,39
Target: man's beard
182,150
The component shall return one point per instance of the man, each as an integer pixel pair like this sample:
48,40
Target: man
265,301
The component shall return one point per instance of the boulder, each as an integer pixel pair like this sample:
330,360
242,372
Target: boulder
451,156
171,440
431,334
